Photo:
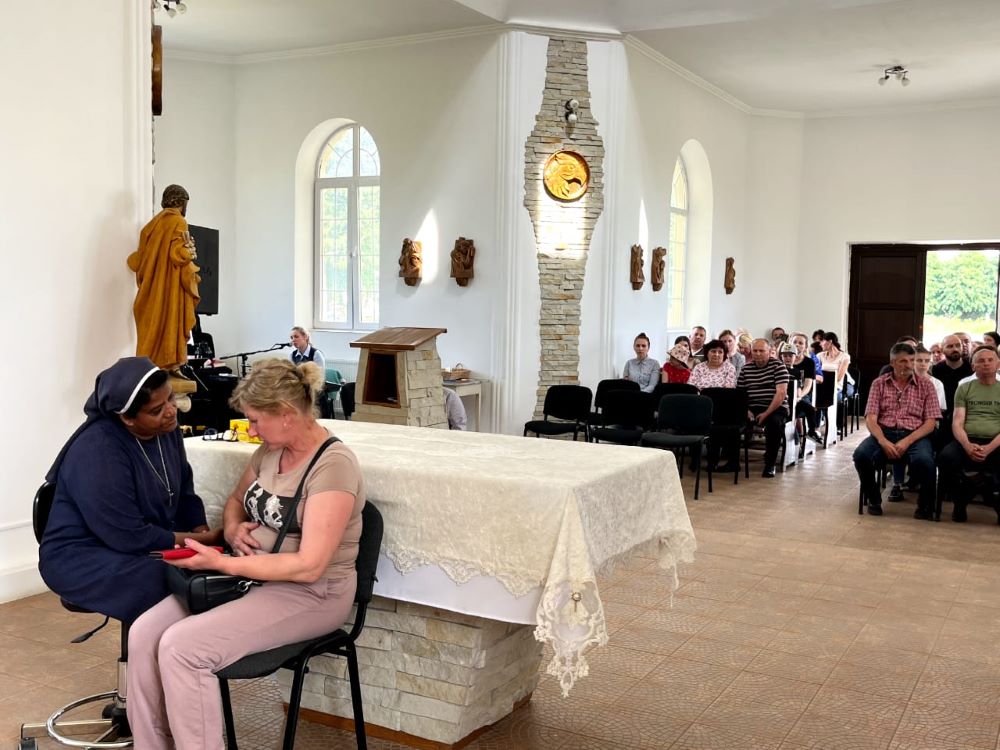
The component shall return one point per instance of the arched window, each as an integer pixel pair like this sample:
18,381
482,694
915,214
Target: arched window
677,252
346,234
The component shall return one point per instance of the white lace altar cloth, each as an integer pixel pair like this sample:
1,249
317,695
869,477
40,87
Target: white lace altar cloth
530,513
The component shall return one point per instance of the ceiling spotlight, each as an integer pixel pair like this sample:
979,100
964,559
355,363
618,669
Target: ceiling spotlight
896,71
172,7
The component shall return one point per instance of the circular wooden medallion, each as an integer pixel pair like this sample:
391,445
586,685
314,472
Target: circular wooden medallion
566,176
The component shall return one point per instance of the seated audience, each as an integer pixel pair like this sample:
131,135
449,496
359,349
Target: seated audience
173,694
716,371
642,369
966,340
921,368
455,410
778,337
804,368
936,354
992,338
697,341
766,383
835,360
744,342
303,351
901,414
677,368
911,340
817,337
123,489
976,428
732,352
950,371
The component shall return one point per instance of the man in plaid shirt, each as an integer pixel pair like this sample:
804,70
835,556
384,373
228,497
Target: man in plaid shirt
901,414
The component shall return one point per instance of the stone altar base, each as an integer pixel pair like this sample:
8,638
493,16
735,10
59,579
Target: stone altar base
429,678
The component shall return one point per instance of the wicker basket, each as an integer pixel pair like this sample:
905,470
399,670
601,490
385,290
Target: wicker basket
458,372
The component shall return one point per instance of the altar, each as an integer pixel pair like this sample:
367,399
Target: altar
493,545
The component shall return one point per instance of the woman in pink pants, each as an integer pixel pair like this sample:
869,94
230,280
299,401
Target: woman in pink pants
173,694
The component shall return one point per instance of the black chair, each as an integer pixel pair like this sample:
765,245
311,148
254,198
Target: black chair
568,403
296,656
852,402
825,398
347,399
683,421
112,730
729,419
671,389
624,418
603,388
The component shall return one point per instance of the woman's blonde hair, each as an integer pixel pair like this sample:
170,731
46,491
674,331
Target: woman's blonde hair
276,383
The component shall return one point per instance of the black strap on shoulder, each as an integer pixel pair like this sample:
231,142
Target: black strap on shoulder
298,493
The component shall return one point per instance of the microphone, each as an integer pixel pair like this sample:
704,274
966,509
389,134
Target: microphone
281,345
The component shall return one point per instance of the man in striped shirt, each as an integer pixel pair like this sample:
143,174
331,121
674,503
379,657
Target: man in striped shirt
901,414
766,382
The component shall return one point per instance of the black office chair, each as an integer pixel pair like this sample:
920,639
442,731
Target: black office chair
729,419
296,656
625,417
852,401
347,399
568,403
603,388
683,421
825,398
112,730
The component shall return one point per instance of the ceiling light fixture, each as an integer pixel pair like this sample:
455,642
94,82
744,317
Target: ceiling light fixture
897,71
172,7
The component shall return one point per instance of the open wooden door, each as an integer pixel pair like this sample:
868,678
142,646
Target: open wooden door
886,302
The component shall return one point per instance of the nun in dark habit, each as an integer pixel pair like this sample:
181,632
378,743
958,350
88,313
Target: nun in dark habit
123,489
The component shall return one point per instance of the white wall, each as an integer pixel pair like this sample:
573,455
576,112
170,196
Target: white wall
194,148
74,193
663,112
919,176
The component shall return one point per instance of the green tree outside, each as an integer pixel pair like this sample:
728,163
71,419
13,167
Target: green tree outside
960,293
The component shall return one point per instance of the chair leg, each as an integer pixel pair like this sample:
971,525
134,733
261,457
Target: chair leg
294,699
697,479
359,714
861,501
227,715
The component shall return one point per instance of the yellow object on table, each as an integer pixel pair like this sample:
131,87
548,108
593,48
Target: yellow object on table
241,428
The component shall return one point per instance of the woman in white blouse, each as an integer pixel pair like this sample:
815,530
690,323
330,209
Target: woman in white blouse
833,358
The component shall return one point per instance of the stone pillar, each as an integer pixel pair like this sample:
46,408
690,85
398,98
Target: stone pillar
562,229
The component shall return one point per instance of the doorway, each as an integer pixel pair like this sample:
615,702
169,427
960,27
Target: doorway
928,291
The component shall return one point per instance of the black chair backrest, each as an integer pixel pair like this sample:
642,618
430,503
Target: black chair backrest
825,391
685,414
570,402
41,508
671,389
729,406
368,550
612,384
627,409
347,399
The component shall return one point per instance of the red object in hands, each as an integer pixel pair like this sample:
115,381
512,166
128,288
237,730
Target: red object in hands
177,554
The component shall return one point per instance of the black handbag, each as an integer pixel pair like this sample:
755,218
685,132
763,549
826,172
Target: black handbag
202,590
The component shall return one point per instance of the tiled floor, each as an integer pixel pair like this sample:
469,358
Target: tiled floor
801,625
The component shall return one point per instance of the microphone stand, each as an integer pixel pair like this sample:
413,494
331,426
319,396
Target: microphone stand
245,356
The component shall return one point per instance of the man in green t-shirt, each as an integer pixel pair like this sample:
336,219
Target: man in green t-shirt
976,428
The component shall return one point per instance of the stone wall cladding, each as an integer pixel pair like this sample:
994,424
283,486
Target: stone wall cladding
428,672
562,230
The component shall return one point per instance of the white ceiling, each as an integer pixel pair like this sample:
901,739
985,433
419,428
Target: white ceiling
810,56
